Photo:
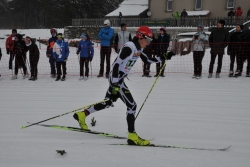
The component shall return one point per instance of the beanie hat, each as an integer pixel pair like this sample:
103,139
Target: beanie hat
59,35
163,29
123,24
83,35
201,26
107,22
19,37
14,30
222,22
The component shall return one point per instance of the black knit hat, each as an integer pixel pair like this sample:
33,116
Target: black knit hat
19,37
222,22
123,24
14,30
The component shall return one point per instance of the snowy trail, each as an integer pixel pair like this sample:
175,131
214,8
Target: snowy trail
180,111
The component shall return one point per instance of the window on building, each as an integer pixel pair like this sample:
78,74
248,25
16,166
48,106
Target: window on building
230,3
198,5
169,5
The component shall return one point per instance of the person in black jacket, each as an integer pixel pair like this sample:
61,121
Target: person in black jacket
246,51
184,14
150,51
163,44
235,50
34,57
20,56
218,40
0,56
230,15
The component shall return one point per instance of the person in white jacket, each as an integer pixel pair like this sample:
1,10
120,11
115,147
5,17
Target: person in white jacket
200,39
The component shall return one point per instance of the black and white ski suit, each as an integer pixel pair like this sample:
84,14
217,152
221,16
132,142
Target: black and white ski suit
121,67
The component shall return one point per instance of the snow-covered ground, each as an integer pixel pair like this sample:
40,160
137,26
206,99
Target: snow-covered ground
180,111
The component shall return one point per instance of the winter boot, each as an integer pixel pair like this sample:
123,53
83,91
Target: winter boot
231,74
247,74
237,73
210,75
63,78
58,77
134,139
194,76
100,75
53,75
31,78
217,75
198,77
86,78
80,117
107,75
162,75
149,76
25,76
81,78
14,77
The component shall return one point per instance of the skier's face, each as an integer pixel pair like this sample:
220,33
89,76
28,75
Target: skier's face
144,42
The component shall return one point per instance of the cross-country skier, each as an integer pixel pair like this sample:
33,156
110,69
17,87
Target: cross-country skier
121,67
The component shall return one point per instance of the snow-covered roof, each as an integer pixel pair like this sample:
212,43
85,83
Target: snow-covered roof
198,13
130,8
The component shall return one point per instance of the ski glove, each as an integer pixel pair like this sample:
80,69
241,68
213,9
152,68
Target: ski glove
115,92
8,51
66,59
167,56
90,59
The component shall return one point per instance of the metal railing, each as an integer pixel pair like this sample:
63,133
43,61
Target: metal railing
166,22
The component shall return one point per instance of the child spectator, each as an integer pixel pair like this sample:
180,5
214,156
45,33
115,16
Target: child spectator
86,50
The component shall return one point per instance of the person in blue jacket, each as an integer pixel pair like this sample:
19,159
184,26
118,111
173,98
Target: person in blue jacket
60,56
86,50
106,35
49,52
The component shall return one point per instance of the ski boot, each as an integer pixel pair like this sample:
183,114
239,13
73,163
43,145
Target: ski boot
134,139
80,117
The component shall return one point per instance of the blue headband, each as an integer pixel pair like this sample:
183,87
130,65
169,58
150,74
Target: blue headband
83,36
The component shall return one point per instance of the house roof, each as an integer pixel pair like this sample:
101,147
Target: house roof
130,8
198,13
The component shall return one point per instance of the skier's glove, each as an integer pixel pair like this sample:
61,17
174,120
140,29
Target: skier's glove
167,56
90,59
66,59
8,51
115,92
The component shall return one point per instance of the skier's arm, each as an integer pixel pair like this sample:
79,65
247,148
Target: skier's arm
126,52
145,58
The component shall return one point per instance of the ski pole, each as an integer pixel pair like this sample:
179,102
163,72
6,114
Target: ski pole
151,88
65,113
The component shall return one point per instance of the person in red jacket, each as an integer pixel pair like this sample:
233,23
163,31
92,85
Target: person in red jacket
238,13
10,46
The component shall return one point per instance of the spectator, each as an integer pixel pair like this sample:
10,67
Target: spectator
0,56
184,14
238,13
85,47
200,39
122,37
60,56
247,52
34,57
150,51
105,35
248,13
218,40
49,52
10,46
230,15
176,16
120,17
20,56
163,44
